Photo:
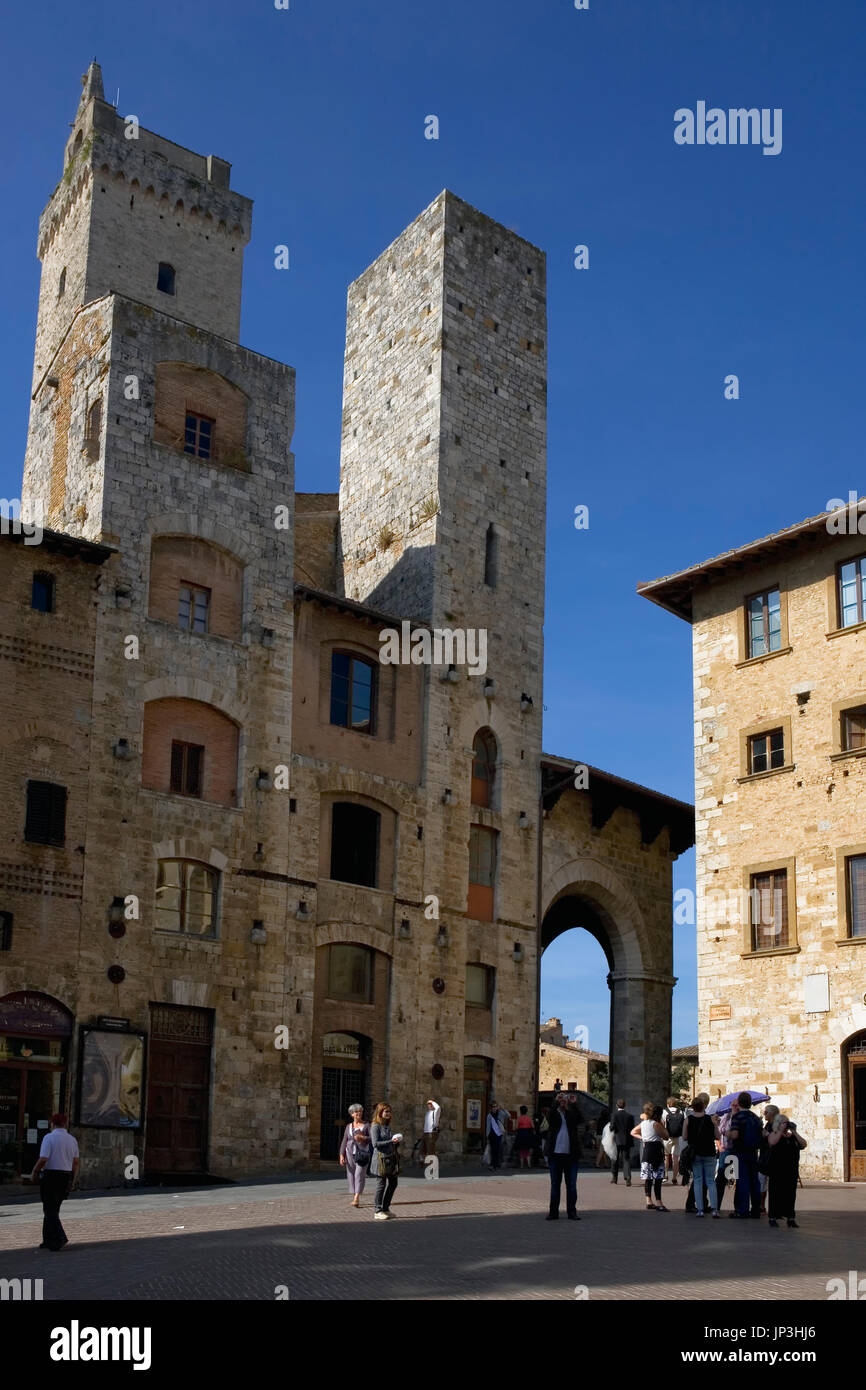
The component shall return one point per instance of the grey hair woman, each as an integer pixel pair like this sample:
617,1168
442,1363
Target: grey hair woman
356,1152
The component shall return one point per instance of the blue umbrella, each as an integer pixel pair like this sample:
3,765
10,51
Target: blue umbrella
723,1104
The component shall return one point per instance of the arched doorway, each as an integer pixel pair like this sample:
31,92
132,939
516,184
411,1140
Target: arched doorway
345,1082
35,1031
854,1072
584,893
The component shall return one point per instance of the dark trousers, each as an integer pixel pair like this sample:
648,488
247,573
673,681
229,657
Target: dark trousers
562,1166
54,1187
495,1142
747,1195
623,1160
384,1192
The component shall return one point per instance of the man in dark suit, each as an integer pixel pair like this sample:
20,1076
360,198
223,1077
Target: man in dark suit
622,1124
562,1151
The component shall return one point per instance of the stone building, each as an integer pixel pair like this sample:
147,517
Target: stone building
779,640
298,873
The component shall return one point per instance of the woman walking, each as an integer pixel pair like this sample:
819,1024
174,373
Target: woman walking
700,1133
783,1169
356,1152
525,1137
385,1165
652,1135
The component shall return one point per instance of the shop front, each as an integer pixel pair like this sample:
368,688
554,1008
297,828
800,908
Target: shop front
35,1033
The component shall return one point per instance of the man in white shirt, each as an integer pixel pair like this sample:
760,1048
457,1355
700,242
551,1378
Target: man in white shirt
58,1156
431,1126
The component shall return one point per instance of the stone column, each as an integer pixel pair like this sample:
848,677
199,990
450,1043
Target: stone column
640,1037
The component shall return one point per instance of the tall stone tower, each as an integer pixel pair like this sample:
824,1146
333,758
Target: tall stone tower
442,520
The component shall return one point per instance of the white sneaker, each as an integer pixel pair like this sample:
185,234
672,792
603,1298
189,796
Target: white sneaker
380,1216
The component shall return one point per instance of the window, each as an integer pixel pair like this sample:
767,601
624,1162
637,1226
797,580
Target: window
767,751
855,874
187,767
764,623
491,557
853,729
353,692
483,768
198,436
61,284
769,909
354,844
193,606
482,872
93,428
186,895
852,581
5,931
42,593
46,814
165,278
350,973
480,981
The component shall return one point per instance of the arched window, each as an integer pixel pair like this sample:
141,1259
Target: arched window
190,749
491,557
483,768
42,593
186,895
165,278
61,284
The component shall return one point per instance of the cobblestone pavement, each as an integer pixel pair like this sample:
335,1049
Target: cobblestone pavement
465,1237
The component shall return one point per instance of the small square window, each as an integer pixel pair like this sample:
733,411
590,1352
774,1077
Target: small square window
767,751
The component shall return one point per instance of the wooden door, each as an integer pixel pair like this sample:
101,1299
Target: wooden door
178,1091
857,1115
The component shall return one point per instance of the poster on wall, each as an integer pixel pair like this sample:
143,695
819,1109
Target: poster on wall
473,1114
111,1080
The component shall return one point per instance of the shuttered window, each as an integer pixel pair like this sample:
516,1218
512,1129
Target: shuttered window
187,766
46,814
856,867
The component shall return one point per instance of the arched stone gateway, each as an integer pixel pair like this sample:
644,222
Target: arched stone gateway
608,850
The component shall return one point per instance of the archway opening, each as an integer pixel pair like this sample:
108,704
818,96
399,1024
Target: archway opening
575,1022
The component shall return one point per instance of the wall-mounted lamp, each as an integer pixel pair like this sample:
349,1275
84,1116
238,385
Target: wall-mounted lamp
259,854
404,931
303,912
802,693
263,781
257,933
122,598
489,689
525,702
452,674
122,749
517,953
442,937
267,637
448,798
523,820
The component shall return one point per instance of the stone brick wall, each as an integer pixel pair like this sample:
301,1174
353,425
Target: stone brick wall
181,390
190,721
753,1023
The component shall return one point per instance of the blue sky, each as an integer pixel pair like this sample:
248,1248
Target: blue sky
704,261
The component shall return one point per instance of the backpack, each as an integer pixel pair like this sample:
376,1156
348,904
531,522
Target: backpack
674,1123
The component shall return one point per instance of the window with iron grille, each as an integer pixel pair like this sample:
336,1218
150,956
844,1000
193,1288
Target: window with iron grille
767,751
353,692
769,910
198,436
186,896
350,973
855,874
45,823
851,591
187,767
5,931
853,729
764,623
193,608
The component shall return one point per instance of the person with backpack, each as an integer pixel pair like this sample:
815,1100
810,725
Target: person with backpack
700,1133
744,1137
356,1152
673,1121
